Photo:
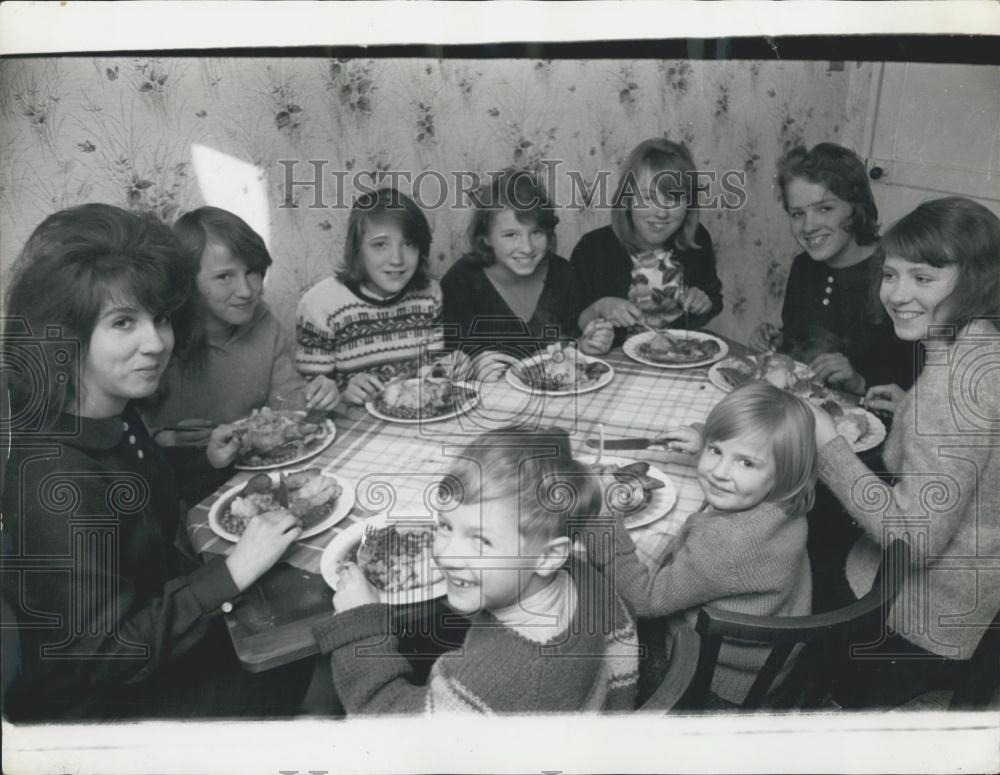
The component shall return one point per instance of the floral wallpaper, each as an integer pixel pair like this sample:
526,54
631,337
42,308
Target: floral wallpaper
123,131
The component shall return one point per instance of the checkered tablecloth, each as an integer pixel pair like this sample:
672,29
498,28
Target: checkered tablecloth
394,467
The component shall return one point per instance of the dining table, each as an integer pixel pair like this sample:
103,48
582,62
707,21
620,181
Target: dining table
395,467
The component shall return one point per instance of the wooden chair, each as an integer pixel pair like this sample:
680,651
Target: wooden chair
808,682
677,682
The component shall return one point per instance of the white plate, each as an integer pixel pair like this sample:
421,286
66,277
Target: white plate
802,371
340,509
876,430
344,542
460,409
631,348
661,501
311,450
518,383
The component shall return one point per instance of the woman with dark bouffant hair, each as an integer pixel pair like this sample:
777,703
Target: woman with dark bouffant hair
940,286
129,624
512,292
831,319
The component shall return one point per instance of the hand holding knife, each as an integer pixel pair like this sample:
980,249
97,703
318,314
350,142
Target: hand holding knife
682,438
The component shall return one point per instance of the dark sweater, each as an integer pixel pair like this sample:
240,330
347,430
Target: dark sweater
604,268
848,318
92,509
477,318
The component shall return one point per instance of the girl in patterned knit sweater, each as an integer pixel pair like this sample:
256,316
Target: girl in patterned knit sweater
547,630
745,550
381,311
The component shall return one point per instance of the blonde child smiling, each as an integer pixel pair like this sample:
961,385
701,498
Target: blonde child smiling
548,632
745,551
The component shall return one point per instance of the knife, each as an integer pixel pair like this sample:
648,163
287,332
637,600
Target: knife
850,399
625,443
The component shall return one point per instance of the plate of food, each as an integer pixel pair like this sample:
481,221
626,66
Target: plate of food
274,438
560,371
862,429
424,398
780,370
318,499
675,349
395,556
634,489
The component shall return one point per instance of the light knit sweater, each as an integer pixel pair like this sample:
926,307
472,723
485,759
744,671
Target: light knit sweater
945,451
250,369
341,331
591,665
748,562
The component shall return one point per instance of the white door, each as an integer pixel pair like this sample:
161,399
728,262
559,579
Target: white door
933,130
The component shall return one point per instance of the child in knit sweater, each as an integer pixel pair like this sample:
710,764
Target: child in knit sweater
233,355
381,311
547,631
745,550
941,287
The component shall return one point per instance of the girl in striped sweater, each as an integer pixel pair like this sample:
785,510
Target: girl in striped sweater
381,311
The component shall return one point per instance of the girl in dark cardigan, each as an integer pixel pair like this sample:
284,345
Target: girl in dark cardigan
512,294
654,264
116,620
831,319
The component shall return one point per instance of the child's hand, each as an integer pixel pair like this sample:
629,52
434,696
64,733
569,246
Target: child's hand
696,301
767,337
262,544
322,393
884,398
681,438
198,435
834,369
362,387
621,312
597,337
353,589
222,446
